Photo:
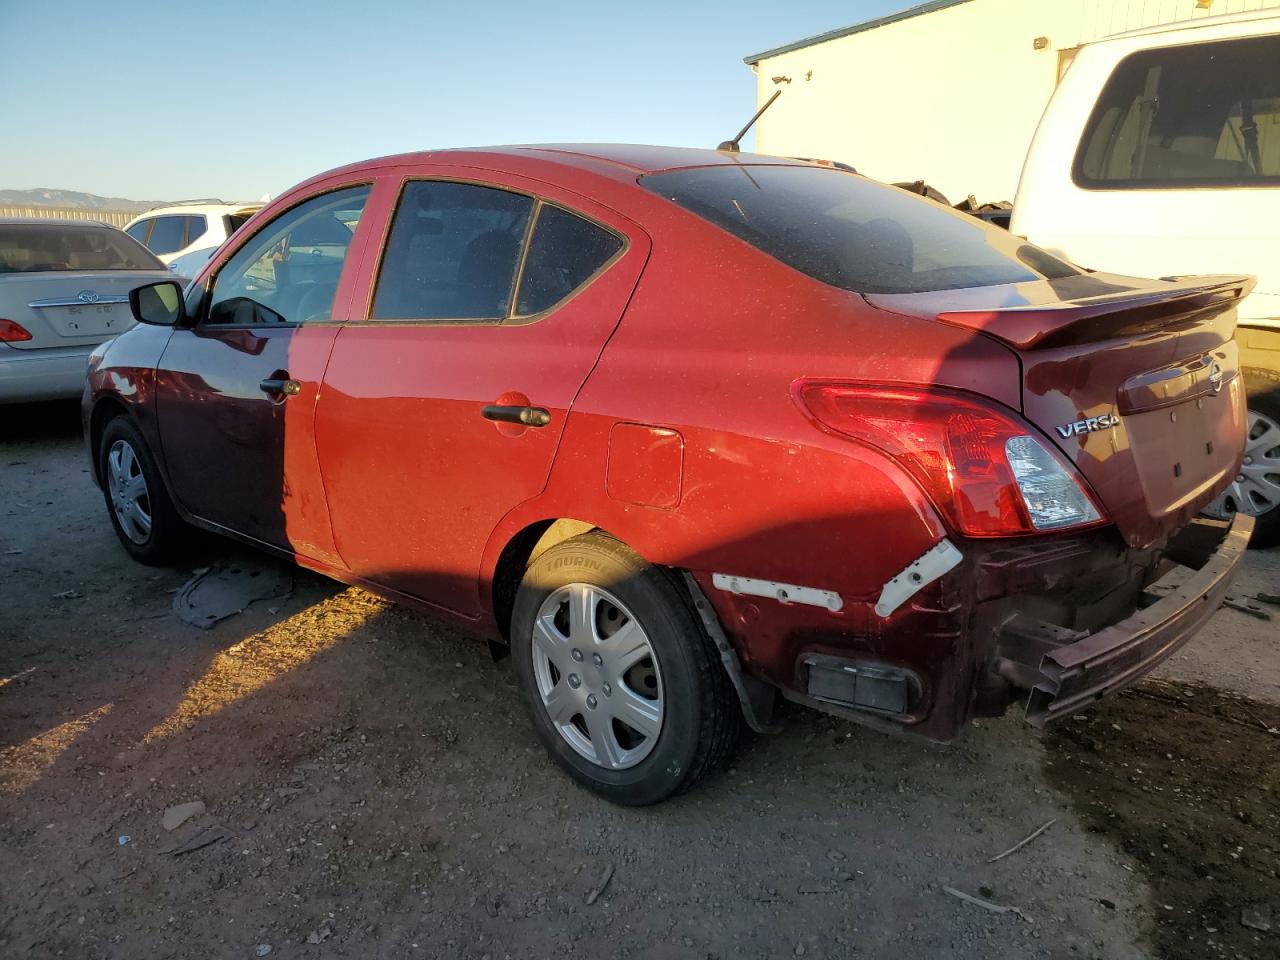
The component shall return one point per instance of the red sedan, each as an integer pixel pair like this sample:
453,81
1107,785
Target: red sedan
690,431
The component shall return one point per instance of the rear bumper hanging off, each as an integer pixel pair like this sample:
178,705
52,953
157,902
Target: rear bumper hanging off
1074,674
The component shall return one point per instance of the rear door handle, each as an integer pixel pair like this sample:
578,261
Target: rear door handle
286,388
526,416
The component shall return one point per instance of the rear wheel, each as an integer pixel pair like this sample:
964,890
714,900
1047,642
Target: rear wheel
141,512
1256,488
626,692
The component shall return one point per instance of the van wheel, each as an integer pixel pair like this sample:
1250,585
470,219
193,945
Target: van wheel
625,690
141,512
1256,489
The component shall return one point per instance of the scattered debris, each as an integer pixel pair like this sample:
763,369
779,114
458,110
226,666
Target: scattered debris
594,895
1022,843
262,950
1245,605
321,933
227,588
1256,917
67,595
1275,732
199,841
175,817
985,904
12,553
1270,598
1109,904
123,839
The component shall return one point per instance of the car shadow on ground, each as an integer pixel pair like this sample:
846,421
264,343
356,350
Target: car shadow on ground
26,421
373,781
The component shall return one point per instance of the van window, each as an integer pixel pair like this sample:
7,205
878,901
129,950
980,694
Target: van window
854,233
1197,115
452,254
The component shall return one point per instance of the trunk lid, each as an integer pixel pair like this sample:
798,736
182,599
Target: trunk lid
1136,382
66,309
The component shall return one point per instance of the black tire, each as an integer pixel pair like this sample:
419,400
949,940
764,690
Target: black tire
701,718
168,535
1262,387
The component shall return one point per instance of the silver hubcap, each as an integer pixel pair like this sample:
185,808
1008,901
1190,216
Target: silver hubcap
1256,489
128,487
597,676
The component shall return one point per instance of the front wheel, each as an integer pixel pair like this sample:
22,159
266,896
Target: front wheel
625,690
1256,489
141,512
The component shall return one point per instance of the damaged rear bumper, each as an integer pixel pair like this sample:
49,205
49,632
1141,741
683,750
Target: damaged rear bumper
1076,669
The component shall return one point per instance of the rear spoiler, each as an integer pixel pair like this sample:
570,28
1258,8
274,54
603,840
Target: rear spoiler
1131,311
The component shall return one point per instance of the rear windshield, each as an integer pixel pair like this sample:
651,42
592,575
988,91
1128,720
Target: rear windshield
50,247
851,232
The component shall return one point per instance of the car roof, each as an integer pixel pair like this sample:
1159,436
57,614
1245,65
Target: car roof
197,206
1197,23
619,161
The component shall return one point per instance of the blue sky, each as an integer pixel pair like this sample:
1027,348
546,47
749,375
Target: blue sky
167,100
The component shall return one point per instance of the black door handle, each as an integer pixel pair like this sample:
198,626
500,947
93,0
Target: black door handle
526,416
287,388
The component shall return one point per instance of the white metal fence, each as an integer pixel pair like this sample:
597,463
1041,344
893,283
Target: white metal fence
117,218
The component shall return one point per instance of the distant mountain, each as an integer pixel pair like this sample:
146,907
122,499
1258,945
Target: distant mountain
41,197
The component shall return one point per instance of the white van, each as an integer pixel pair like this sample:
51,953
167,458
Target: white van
1159,155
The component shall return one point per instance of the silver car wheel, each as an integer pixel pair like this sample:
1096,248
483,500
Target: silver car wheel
1256,488
130,498
597,676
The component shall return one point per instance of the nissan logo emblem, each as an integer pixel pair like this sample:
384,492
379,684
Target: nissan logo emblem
1215,376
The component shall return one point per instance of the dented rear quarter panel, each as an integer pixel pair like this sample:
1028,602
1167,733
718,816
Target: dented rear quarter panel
711,355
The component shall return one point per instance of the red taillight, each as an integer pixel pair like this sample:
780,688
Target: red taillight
11,332
955,445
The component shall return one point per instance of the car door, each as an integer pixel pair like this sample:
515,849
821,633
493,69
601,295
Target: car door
444,401
237,390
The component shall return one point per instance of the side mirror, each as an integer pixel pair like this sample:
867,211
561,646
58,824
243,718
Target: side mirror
159,304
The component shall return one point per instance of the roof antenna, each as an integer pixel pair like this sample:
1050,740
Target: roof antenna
731,146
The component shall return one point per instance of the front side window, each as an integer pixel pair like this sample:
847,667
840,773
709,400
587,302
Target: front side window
48,248
1205,114
166,235
452,253
288,271
854,233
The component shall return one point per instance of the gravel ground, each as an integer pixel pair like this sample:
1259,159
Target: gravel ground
371,788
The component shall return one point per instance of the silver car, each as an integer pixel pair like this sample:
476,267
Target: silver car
64,289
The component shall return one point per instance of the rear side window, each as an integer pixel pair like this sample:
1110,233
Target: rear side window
453,253
139,230
196,227
46,248
854,233
565,252
1197,115
166,235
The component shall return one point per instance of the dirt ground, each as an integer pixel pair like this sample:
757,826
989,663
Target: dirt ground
372,789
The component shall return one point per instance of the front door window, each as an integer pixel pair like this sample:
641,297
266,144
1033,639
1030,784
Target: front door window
288,272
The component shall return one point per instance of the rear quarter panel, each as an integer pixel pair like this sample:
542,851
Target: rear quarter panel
708,349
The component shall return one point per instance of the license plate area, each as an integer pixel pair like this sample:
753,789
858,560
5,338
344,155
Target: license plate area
89,319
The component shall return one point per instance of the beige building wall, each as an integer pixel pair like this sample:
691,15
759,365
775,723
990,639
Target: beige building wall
952,96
